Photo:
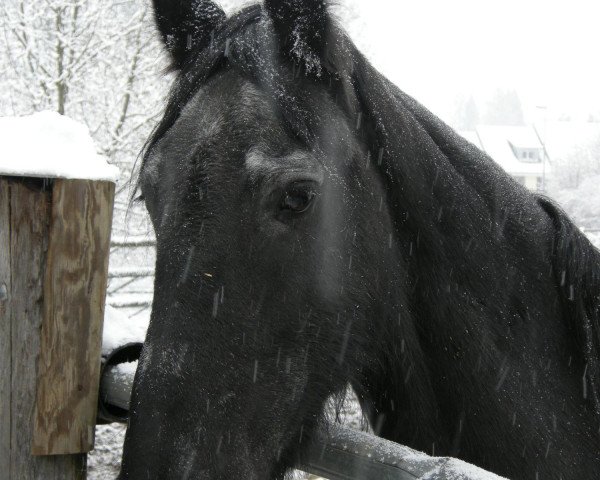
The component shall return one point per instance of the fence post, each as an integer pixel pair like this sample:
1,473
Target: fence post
54,246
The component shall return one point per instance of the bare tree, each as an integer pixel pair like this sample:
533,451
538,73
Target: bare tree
93,60
575,183
466,113
578,165
504,108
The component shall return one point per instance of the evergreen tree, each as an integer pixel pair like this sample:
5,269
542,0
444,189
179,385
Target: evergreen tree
504,108
466,116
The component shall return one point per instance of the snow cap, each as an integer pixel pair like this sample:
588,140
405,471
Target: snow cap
50,145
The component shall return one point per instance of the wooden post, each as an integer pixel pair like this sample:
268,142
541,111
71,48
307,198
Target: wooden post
54,245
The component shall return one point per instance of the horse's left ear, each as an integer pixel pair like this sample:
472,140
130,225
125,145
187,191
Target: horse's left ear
185,25
302,27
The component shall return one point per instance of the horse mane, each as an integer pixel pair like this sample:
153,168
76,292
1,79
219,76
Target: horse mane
574,261
576,267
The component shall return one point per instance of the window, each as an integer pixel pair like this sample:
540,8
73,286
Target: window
529,155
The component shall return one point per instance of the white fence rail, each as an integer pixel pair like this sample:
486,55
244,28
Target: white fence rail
124,279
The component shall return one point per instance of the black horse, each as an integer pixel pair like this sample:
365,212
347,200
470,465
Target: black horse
317,227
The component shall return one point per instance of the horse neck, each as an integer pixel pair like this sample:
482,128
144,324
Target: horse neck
463,229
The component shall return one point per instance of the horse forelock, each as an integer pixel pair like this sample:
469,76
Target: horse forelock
247,42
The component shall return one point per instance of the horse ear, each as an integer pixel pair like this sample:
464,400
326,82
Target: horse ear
186,24
302,27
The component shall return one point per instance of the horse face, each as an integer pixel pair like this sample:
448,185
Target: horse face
258,289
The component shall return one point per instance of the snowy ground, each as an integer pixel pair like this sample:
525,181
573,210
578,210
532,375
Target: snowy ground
105,459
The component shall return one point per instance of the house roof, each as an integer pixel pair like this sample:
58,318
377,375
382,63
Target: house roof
499,143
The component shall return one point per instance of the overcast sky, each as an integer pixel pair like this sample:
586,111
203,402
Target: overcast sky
435,50
548,50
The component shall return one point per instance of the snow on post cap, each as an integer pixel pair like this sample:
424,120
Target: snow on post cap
50,145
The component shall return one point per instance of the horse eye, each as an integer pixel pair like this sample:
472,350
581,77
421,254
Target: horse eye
297,200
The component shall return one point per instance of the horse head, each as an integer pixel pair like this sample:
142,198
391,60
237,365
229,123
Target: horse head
317,227
265,207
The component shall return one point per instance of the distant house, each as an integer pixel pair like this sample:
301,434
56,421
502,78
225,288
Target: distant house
518,150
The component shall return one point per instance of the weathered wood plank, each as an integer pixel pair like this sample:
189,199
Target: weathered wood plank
29,215
74,294
5,334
